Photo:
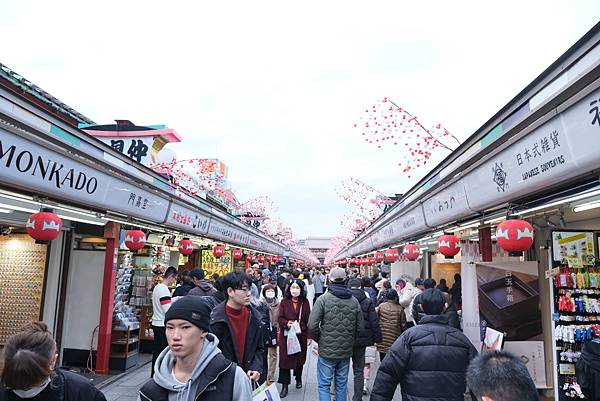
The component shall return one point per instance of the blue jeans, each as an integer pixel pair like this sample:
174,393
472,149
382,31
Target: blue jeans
328,370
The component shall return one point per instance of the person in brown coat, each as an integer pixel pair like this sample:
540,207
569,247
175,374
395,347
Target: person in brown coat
392,321
293,308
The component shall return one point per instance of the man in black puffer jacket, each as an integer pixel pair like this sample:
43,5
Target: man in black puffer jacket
368,336
429,360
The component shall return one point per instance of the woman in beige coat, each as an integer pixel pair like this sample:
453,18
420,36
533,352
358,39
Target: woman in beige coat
392,321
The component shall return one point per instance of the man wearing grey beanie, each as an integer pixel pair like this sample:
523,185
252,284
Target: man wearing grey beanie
193,367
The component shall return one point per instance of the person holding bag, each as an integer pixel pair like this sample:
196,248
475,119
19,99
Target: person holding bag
294,312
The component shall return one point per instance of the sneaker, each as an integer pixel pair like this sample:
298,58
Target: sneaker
365,392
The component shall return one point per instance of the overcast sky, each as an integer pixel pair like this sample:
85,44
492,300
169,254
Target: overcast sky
273,88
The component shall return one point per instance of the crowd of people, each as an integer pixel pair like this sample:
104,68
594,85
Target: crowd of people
218,338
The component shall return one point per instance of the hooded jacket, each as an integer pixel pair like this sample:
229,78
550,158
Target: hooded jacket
254,349
213,378
335,322
429,362
371,333
204,288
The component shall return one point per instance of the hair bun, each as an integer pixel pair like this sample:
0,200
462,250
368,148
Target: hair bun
35,327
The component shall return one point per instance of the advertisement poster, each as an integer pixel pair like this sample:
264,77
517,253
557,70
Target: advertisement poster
532,355
509,300
212,265
566,244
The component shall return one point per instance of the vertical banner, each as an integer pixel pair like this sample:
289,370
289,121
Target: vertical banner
212,265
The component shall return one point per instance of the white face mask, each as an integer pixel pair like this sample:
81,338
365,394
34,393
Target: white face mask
32,392
295,292
270,294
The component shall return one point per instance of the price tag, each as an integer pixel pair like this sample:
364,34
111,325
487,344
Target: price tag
552,272
574,262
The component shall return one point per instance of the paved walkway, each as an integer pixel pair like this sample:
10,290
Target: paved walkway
126,388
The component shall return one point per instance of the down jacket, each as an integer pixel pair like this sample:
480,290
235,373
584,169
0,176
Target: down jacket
392,321
371,333
429,362
335,321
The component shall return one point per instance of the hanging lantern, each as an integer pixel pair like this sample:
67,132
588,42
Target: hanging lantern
135,239
379,257
261,259
44,225
237,254
218,251
448,245
391,255
411,252
515,236
371,260
186,247
250,257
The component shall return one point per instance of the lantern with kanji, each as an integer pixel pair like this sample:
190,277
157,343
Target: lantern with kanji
261,259
379,257
135,239
237,254
391,255
411,252
186,247
448,245
515,236
250,257
44,225
218,251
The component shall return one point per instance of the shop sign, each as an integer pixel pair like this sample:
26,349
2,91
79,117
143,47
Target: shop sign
135,201
28,165
227,233
564,147
212,265
187,220
446,205
136,148
409,223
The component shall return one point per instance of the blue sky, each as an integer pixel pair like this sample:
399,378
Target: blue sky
273,88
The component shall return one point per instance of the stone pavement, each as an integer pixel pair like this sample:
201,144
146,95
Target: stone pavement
126,388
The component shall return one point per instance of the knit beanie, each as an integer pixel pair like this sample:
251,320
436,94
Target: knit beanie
191,308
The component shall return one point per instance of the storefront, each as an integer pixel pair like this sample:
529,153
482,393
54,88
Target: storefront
537,160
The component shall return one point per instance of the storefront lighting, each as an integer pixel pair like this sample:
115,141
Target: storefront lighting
496,220
424,249
133,224
5,210
587,206
471,224
560,202
71,218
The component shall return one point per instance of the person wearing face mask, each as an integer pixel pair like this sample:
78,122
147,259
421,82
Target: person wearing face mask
30,372
294,308
270,293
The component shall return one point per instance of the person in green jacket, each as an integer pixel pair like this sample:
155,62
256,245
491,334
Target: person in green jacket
334,323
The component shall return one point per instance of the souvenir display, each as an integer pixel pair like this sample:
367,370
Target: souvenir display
22,267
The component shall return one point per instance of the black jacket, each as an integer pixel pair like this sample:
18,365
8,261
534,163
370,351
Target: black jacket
255,348
371,333
429,362
182,290
214,384
588,370
452,316
66,386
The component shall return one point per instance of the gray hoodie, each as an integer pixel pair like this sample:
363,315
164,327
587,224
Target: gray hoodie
163,374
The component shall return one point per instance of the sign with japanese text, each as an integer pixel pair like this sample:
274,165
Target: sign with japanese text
136,148
212,265
450,203
187,219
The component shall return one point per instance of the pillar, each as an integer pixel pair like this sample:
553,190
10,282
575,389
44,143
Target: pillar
111,234
485,244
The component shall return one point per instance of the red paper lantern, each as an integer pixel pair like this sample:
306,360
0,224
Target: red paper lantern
411,252
515,236
237,254
371,260
448,245
44,225
250,257
186,247
218,251
261,259
391,255
135,239
379,257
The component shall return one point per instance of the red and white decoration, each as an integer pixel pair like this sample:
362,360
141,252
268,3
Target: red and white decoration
379,257
411,252
44,226
135,239
237,254
261,259
515,235
391,255
218,251
448,245
186,247
250,257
